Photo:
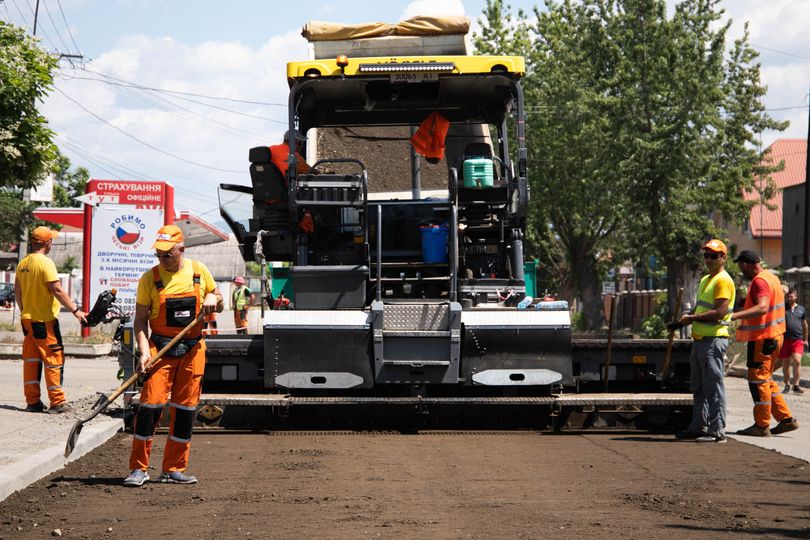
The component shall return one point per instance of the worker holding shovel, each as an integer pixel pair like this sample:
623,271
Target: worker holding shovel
171,296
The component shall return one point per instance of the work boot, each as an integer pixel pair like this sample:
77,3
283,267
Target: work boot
176,477
797,389
36,407
136,478
60,408
787,389
788,424
755,431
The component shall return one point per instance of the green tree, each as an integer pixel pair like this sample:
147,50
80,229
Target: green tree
68,184
26,149
577,197
641,125
688,114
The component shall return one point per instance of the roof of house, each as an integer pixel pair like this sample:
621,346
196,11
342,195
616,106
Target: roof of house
765,222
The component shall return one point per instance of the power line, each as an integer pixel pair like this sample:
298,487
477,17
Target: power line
34,30
122,154
24,20
59,3
136,139
58,33
780,52
115,170
139,97
172,94
178,92
8,13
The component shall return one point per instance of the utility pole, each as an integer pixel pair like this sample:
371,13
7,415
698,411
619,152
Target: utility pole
22,250
807,190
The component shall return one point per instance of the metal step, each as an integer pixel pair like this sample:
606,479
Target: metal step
416,333
416,363
565,400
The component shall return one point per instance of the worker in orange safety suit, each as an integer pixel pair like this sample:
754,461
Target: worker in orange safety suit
763,327
169,297
279,154
39,294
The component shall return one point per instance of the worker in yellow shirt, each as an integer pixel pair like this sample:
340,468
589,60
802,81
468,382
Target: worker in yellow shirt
38,294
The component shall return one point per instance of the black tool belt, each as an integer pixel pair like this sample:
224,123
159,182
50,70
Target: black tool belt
179,349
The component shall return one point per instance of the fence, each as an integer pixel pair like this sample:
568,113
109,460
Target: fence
632,307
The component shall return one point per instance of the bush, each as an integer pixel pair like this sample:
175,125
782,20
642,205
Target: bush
653,327
578,324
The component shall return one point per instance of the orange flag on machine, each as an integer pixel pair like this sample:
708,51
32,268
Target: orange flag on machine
429,138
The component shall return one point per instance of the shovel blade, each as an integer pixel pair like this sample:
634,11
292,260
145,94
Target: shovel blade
73,437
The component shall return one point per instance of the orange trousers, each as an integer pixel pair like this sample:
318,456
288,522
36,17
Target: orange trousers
768,400
240,320
176,381
42,348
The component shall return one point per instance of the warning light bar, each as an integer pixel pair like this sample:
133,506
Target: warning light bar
406,67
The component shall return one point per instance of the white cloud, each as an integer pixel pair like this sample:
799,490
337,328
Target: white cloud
432,8
175,124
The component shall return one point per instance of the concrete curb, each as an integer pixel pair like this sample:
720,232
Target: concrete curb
40,464
14,350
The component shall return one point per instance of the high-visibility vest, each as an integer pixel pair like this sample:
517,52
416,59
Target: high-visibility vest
177,310
429,138
705,302
771,324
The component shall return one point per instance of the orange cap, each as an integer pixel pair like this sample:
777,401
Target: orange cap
43,234
167,237
716,245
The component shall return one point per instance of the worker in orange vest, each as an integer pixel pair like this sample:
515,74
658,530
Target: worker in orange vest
169,297
763,327
279,153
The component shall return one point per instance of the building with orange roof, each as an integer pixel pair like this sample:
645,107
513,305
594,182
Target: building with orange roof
762,231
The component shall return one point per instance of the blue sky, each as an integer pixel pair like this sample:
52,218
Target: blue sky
238,50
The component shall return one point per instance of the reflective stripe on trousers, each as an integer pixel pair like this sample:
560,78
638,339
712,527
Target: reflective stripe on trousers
42,348
767,397
180,377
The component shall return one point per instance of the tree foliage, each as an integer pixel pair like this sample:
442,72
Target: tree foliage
68,184
26,150
640,125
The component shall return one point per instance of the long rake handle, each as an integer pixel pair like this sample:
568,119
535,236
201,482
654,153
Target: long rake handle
127,383
668,355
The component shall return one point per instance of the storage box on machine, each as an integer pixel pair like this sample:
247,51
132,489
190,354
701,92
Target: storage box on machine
478,173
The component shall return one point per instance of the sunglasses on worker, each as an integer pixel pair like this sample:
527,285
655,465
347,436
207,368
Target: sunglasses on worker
711,255
164,256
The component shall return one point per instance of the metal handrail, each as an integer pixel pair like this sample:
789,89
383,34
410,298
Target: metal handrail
379,253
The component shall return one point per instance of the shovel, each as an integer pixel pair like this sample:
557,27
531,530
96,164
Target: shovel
668,354
77,427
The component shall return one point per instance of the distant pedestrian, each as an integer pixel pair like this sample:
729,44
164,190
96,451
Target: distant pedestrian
795,342
763,327
710,331
169,297
241,298
38,294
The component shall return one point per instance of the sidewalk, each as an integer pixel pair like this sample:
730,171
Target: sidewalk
32,445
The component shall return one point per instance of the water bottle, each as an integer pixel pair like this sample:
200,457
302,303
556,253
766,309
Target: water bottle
554,305
526,302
